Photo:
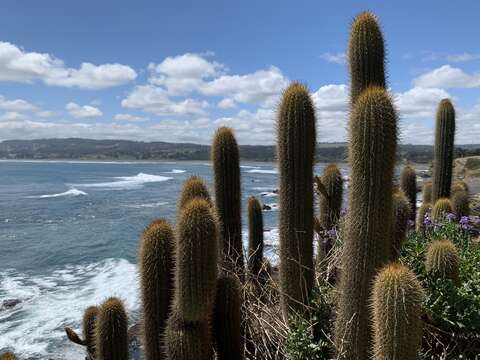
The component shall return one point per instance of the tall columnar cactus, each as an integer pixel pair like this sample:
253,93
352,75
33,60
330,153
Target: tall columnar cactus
397,308
408,184
366,55
443,150
443,261
401,216
8,356
193,187
423,210
88,327
255,236
196,261
330,203
427,192
156,263
460,204
459,185
441,208
295,153
367,242
227,319
112,331
226,168
187,340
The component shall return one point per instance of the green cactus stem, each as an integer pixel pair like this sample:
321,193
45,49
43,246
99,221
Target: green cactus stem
443,261
440,210
401,216
112,331
408,184
255,236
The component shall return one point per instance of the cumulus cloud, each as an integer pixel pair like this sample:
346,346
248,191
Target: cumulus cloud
16,105
85,111
129,117
419,102
446,77
19,65
336,58
227,104
463,57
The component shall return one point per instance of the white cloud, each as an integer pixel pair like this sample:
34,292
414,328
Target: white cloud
447,76
16,105
20,66
227,104
85,111
337,58
419,102
129,117
463,57
13,116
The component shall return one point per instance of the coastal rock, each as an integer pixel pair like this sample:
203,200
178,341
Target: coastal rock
9,304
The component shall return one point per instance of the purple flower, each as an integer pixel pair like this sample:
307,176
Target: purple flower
343,212
451,216
428,222
464,220
332,232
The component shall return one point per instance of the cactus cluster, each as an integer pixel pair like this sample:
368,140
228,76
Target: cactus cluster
193,187
460,203
443,261
441,208
408,184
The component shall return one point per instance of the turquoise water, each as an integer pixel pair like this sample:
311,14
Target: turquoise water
69,234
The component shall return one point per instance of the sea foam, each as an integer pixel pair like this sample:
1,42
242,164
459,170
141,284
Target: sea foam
127,182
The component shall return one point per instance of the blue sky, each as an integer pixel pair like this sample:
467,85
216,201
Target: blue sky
176,70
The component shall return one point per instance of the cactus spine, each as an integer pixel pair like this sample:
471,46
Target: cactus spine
155,259
8,356
373,131
459,185
427,192
408,184
397,309
193,187
227,319
443,150
226,168
112,331
330,203
196,261
401,215
460,204
423,210
366,55
295,153
255,236
443,261
441,208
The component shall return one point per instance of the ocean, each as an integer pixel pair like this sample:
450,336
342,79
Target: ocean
69,233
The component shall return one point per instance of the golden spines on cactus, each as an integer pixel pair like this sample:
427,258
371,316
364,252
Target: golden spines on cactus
227,319
226,168
460,204
193,187
459,185
397,308
367,241
330,203
156,264
296,140
443,150
443,261
88,328
366,54
196,261
423,210
408,184
401,215
427,192
112,331
8,356
255,236
441,208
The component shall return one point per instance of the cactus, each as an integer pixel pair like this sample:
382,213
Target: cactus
8,356
112,331
295,153
373,139
187,340
193,187
330,204
401,216
427,192
423,210
443,261
459,185
441,208
460,204
88,327
226,168
227,319
196,261
255,236
443,150
397,308
366,55
156,263
408,184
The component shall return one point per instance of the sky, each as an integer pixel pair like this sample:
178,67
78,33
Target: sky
176,70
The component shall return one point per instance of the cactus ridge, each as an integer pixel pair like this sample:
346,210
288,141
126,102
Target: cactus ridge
112,331
441,208
401,216
296,142
397,308
443,261
255,236
156,263
408,184
196,261
367,243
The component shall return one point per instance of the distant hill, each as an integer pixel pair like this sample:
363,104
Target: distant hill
87,149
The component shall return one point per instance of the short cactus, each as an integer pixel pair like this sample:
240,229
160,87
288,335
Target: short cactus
88,327
296,142
459,185
460,204
401,216
193,187
423,210
330,203
408,184
443,261
196,261
156,263
427,192
443,150
112,331
366,55
367,242
441,208
255,236
227,319
226,167
397,308
8,356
